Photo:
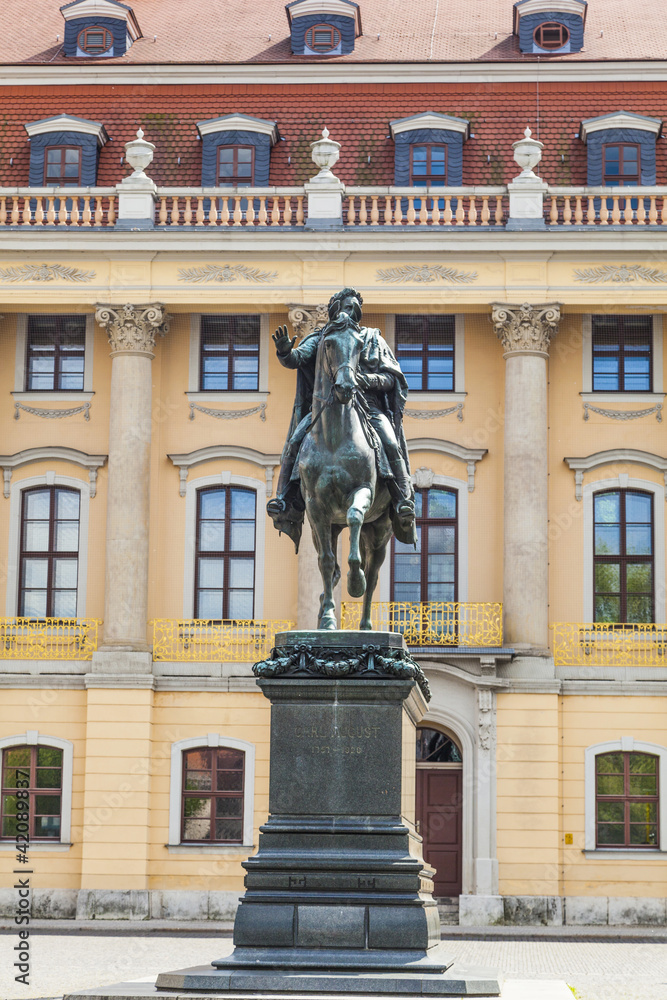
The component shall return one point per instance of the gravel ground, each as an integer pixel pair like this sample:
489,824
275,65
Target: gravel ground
605,970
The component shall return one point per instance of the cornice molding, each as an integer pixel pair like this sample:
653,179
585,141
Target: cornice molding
49,454
558,70
243,123
525,328
612,457
68,123
619,119
307,8
525,7
430,119
471,456
216,452
103,8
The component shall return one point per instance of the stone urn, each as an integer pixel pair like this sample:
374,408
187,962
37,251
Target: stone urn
139,154
325,154
527,153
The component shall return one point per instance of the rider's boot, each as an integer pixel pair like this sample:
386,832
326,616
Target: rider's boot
402,495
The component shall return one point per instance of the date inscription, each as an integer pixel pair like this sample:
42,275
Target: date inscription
344,740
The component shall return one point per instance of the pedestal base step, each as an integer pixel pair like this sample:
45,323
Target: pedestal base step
456,982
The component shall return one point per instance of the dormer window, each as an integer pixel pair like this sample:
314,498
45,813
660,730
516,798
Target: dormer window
95,28
550,27
429,149
323,38
621,149
551,35
64,151
95,41
236,150
323,27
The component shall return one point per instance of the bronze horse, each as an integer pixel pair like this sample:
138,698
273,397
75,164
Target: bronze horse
339,480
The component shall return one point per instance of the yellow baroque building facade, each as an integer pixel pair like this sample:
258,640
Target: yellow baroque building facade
119,683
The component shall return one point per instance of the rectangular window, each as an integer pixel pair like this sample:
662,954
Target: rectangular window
55,352
40,767
627,800
236,165
622,353
225,554
623,557
212,808
425,351
428,165
621,164
229,353
429,572
49,557
62,166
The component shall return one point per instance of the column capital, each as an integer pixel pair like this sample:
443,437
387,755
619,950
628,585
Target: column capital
132,328
526,328
305,319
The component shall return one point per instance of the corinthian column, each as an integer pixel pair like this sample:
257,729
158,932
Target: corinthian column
525,332
132,330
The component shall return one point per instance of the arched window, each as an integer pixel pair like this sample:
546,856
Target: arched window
212,795
225,553
627,802
434,747
428,573
49,552
323,38
623,556
32,784
551,35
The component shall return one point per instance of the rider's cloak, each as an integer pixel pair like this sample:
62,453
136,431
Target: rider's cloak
376,358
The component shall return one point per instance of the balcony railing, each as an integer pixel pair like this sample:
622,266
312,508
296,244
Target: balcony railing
49,206
599,644
275,207
606,206
433,623
426,206
206,641
48,638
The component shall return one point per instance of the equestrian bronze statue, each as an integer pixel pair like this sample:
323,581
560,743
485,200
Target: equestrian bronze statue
345,460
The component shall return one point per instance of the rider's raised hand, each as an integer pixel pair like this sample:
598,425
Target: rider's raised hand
282,340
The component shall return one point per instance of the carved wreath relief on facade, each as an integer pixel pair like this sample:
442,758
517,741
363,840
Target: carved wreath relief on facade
526,327
132,329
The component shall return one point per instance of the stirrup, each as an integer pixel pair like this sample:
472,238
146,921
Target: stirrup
276,506
406,510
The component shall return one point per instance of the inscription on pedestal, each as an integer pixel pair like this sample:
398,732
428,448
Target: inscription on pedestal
335,759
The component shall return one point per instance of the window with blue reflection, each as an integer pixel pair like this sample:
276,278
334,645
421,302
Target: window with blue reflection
623,556
622,353
425,350
229,353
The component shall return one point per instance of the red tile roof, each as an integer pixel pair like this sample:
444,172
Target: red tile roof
357,116
236,31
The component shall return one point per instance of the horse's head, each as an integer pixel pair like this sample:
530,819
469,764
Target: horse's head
341,348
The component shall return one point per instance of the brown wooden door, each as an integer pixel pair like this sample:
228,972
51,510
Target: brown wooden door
439,813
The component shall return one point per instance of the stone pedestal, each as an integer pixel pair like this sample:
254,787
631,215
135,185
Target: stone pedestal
338,896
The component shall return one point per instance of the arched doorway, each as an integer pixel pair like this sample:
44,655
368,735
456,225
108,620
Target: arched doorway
439,810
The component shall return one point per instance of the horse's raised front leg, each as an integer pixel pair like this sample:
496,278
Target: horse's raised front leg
326,558
361,503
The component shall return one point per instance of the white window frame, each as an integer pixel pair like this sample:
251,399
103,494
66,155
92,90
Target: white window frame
15,503
196,395
626,744
625,482
588,396
460,486
459,393
224,478
20,393
214,740
34,738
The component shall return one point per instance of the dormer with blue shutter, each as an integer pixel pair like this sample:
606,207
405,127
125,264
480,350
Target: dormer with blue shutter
550,27
236,150
64,151
429,150
323,27
621,149
99,28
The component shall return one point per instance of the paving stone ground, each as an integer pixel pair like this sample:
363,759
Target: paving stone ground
604,970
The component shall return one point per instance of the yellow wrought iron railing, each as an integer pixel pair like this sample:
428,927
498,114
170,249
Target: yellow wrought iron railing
433,623
48,638
600,644
200,640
